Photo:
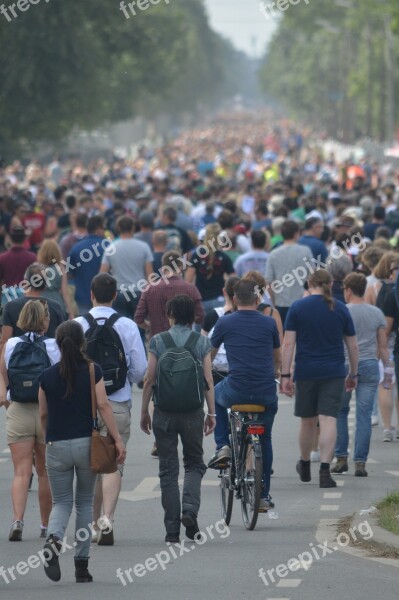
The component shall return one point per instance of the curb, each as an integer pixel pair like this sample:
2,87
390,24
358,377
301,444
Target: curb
380,535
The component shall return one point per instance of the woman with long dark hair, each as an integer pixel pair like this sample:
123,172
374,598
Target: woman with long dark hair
66,416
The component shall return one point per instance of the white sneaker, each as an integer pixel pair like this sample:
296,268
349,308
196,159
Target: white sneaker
315,456
374,420
388,435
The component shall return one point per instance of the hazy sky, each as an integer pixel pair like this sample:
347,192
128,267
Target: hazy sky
241,21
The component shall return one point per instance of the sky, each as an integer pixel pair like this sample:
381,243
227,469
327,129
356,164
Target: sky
242,22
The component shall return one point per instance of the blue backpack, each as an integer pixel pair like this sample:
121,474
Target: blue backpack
27,362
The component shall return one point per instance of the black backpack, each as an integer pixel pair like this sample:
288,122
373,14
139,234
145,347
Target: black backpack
180,382
104,347
27,362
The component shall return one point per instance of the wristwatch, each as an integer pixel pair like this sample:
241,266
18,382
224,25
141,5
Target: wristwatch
286,375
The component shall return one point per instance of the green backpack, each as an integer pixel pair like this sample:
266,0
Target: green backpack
180,381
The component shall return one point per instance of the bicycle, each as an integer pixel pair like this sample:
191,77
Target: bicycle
243,474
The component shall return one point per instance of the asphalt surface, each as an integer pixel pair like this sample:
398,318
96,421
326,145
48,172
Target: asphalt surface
228,563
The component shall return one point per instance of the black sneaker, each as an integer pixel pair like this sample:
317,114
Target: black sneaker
189,520
51,564
303,470
172,538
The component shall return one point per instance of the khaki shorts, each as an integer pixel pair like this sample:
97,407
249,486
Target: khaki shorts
122,416
23,423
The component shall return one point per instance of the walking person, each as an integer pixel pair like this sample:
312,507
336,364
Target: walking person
22,361
318,326
66,416
114,342
209,272
370,326
286,259
50,256
168,425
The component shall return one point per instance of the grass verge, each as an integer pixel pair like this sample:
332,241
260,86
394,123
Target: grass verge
388,513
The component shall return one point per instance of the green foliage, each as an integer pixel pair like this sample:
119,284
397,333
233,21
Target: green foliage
73,63
328,63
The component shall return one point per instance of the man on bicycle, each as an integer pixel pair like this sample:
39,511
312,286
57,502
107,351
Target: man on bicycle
253,352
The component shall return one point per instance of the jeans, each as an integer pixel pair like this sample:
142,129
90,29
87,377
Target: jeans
63,460
225,397
369,377
167,427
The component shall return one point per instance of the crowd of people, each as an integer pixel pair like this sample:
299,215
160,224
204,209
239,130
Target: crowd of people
262,257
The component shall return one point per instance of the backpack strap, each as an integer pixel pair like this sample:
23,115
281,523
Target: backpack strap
167,340
192,341
113,319
90,319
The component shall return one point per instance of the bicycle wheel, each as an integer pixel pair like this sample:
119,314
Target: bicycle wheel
251,483
226,494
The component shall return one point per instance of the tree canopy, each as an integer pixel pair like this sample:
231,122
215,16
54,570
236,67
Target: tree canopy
81,64
333,62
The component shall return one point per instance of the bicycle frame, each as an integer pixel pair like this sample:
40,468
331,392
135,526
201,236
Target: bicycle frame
239,423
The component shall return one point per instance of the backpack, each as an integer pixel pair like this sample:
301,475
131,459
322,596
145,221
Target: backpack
220,363
180,381
385,290
27,362
104,347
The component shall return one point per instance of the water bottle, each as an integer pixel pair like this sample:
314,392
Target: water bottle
389,371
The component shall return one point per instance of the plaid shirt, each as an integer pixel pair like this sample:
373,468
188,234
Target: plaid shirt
152,303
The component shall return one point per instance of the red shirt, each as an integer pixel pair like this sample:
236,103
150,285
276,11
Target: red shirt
35,222
13,265
152,303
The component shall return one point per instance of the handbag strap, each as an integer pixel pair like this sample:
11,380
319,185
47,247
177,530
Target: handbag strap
93,394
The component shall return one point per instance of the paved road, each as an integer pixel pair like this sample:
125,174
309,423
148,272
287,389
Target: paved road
227,565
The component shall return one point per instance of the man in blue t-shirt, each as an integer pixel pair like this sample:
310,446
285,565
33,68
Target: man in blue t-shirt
314,228
318,326
85,261
252,345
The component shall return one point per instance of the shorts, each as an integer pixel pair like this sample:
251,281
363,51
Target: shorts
23,423
315,397
122,416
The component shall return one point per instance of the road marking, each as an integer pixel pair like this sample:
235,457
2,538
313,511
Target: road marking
332,495
144,491
6,451
371,461
340,483
4,460
329,507
394,473
148,489
289,583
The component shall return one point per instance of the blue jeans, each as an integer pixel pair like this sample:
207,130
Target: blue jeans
369,377
225,397
63,460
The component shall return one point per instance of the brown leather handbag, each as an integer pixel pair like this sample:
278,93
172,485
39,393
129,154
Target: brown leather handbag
103,451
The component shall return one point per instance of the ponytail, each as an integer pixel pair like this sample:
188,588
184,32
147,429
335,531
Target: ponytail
328,296
322,279
70,340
